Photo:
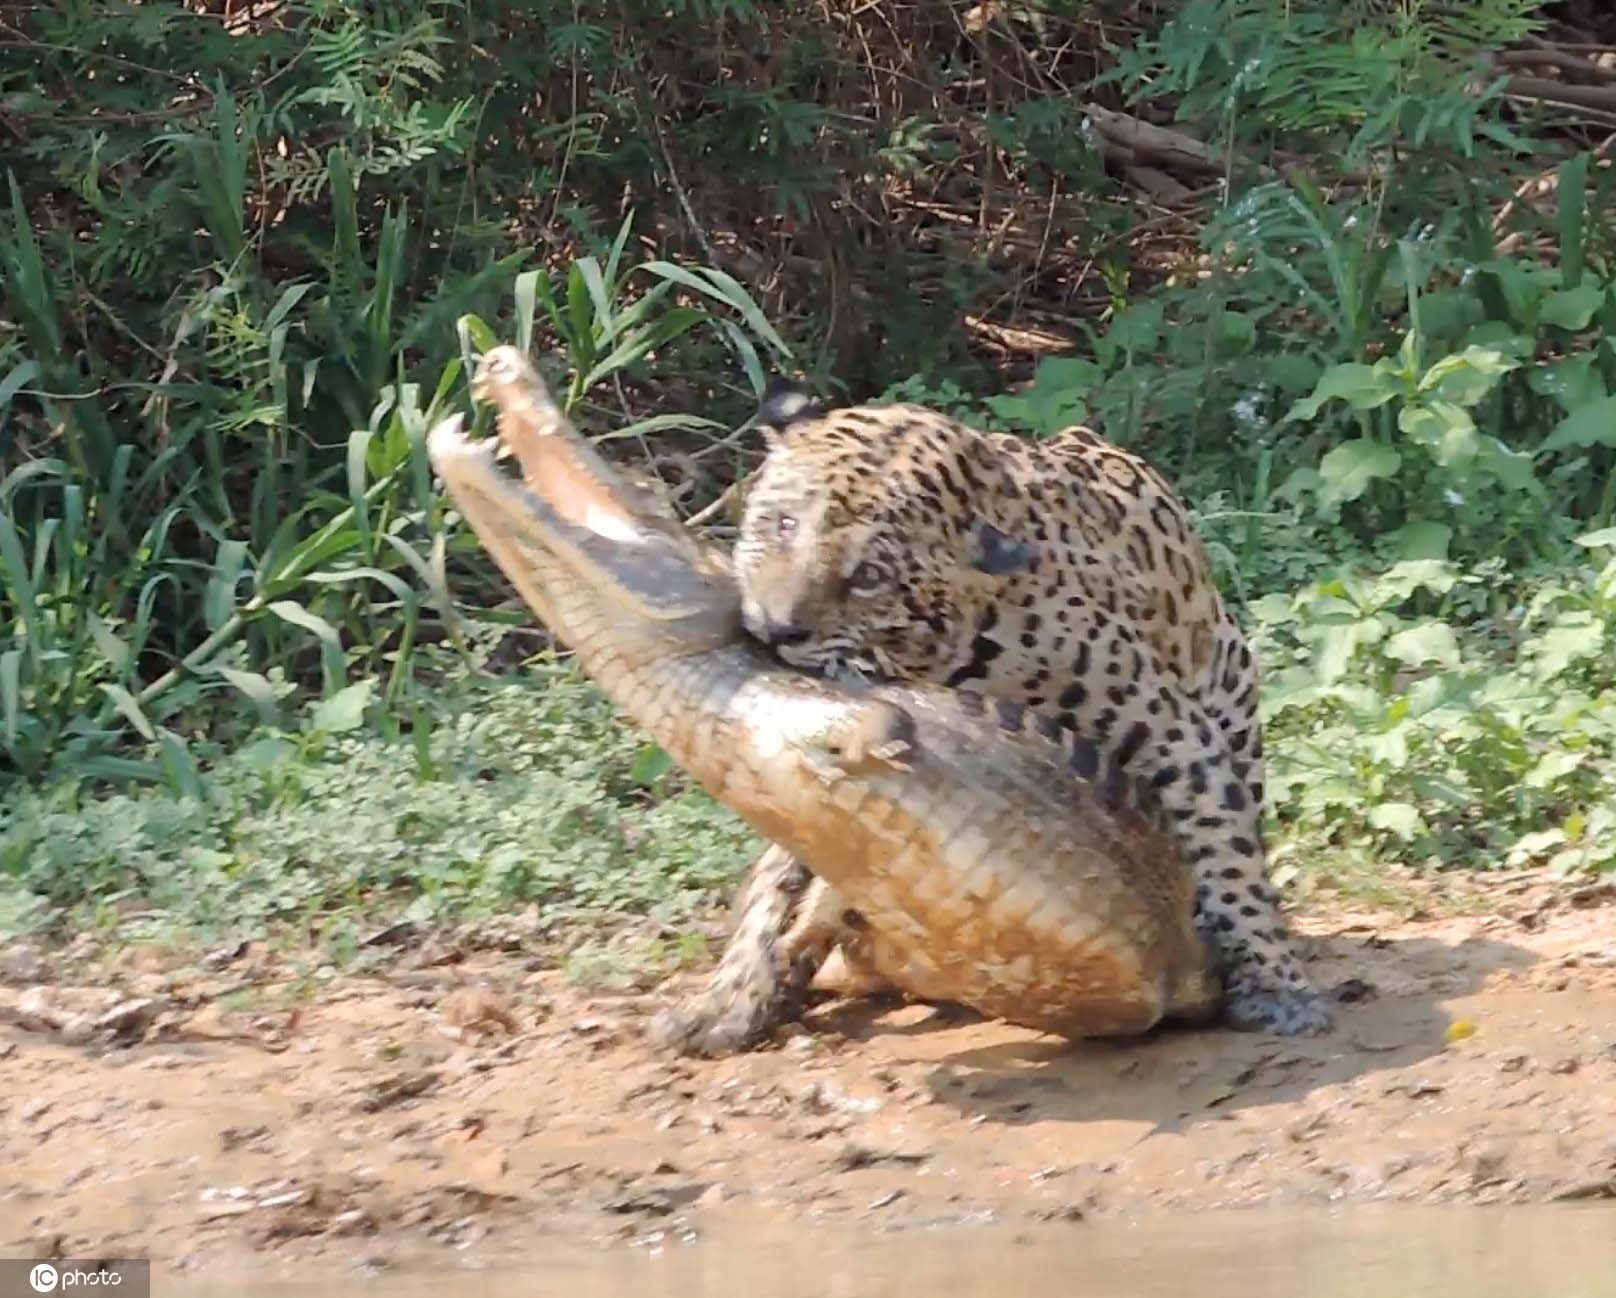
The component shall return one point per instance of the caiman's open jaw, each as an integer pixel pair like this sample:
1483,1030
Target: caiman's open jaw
564,509
548,454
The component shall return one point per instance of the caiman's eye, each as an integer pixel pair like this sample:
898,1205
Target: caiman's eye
785,525
866,577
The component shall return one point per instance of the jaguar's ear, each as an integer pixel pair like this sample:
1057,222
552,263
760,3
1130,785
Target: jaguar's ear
783,404
997,554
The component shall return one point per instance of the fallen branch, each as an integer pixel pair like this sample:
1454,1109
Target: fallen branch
1133,141
1559,92
1553,57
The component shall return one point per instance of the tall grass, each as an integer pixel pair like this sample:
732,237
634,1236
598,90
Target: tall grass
232,542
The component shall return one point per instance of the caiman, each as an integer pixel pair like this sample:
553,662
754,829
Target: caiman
983,870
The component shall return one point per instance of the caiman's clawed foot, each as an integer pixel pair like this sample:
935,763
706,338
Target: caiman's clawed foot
866,739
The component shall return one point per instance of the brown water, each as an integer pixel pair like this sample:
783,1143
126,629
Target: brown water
1557,1251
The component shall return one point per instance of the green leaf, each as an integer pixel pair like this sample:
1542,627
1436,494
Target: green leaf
260,689
14,567
1574,637
1339,644
124,701
330,644
651,763
1572,308
1422,539
1401,580
1511,467
1592,425
742,346
21,375
1290,372
358,446
1363,387
1426,643
1523,287
724,288
344,710
109,642
220,601
1399,818
676,322
1234,333
1348,470
1553,766
1389,749
289,299
179,767
1466,377
475,338
395,584
656,424
1408,353
1055,399
527,298
600,297
1571,197
10,692
1137,328
1443,429
1605,536
1529,846
1572,382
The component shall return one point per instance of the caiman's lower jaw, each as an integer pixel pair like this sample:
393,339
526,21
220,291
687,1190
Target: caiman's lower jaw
448,441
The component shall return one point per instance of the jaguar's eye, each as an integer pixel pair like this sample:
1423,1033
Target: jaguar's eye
785,525
866,578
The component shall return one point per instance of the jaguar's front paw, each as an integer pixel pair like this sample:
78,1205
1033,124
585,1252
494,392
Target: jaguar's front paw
1285,1011
712,1026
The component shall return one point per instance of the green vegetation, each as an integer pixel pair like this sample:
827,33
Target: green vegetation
522,796
1344,269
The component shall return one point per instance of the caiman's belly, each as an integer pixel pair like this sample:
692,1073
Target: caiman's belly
968,894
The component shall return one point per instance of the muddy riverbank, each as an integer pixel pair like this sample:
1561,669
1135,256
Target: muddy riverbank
469,1111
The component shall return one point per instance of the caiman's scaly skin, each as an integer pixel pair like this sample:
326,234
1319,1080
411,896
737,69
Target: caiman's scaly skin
981,871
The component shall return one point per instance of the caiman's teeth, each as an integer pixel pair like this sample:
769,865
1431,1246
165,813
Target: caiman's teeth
503,450
446,436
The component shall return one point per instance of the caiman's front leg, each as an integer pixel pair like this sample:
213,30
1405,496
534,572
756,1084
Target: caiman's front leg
787,922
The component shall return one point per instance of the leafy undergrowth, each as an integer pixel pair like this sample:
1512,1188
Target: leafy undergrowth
1438,714
1424,713
522,796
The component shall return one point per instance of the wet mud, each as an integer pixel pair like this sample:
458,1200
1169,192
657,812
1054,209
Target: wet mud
475,1109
